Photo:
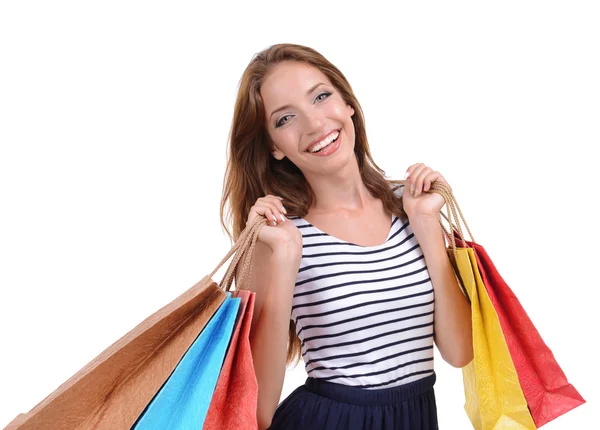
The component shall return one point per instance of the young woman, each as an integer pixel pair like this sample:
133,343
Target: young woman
351,270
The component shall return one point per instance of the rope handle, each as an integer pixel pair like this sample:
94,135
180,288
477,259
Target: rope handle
244,245
454,216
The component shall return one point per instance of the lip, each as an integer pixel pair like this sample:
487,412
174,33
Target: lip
320,138
330,149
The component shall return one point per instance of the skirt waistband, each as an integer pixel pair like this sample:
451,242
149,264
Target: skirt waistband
363,396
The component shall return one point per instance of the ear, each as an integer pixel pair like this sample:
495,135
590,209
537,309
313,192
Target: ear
277,154
351,110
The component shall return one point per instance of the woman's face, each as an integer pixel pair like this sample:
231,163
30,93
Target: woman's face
304,112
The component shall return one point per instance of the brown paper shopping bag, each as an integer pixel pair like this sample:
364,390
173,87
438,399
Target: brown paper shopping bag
113,389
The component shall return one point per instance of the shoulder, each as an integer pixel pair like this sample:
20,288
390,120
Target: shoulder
296,221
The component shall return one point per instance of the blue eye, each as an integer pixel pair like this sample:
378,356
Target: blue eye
282,121
326,94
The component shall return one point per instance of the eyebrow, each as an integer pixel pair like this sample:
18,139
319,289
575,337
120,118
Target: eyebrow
310,90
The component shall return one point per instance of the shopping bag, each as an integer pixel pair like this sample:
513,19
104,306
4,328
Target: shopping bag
493,395
544,384
234,402
183,401
113,390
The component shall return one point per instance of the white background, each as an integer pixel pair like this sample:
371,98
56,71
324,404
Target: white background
114,120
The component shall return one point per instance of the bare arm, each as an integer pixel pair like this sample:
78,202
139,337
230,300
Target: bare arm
452,315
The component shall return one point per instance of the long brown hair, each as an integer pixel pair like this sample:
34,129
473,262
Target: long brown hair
252,171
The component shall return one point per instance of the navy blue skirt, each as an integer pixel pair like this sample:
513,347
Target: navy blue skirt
324,405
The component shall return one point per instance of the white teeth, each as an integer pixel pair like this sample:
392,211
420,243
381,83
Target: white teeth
322,144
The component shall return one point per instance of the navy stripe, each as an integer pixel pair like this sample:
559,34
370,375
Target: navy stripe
380,372
310,245
379,360
358,293
359,253
315,234
308,327
382,384
343,333
377,348
344,242
338,263
353,272
365,281
367,339
360,305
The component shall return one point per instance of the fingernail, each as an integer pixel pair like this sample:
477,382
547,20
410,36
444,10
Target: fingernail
406,175
274,219
282,217
412,190
283,210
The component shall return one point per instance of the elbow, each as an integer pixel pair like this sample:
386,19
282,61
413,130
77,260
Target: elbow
460,362
264,422
264,418
460,358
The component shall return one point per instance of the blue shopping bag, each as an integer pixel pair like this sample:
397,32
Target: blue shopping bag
184,399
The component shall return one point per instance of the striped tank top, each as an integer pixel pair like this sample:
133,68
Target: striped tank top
364,314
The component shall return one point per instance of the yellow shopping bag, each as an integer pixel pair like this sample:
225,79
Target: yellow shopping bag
494,399
493,395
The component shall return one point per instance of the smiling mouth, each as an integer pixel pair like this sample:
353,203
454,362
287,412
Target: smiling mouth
325,143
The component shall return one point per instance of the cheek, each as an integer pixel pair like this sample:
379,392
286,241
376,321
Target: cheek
286,139
336,109
339,110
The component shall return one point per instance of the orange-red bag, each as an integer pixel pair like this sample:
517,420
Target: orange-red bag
545,386
234,402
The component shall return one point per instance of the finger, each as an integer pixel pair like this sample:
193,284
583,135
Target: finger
411,170
414,170
269,210
419,180
442,179
429,179
278,202
273,200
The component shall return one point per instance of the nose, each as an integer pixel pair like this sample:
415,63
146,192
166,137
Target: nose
314,122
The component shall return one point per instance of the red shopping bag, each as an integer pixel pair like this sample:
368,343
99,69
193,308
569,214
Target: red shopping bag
545,386
234,402
546,389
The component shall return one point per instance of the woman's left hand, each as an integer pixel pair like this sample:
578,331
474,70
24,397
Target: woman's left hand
414,198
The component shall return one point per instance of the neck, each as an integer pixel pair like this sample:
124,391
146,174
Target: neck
342,191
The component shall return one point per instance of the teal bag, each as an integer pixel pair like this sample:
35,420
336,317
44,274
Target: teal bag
184,399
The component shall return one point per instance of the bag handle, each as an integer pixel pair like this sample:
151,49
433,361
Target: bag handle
454,215
244,245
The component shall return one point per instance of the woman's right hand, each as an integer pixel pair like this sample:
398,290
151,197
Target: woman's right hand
279,233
